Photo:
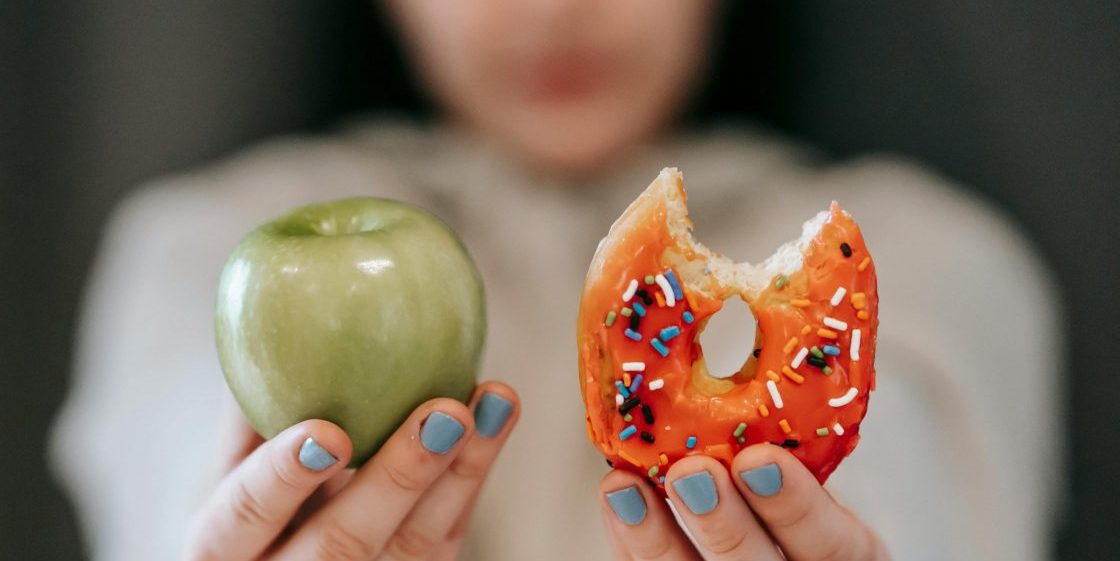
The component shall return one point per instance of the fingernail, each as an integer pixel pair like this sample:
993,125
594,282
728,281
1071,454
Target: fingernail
765,481
315,457
491,414
698,491
440,432
628,505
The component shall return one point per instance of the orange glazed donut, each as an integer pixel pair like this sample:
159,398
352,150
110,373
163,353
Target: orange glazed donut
650,291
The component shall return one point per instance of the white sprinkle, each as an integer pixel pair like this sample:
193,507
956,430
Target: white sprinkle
855,344
839,430
774,395
667,290
630,290
835,324
657,384
633,366
799,357
618,400
838,297
844,399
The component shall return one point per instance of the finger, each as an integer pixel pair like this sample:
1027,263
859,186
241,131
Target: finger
238,439
640,521
359,521
258,498
496,409
618,550
803,518
708,503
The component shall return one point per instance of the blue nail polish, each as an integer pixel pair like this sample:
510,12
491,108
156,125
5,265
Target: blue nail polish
698,491
491,414
628,505
440,432
765,481
315,457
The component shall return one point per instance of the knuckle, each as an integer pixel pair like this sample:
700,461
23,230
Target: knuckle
405,479
338,543
246,507
724,538
467,469
652,550
283,473
409,543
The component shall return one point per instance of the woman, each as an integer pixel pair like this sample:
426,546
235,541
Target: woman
555,114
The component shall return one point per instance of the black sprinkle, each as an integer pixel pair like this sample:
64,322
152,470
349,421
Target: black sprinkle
647,437
756,352
648,414
635,321
628,405
818,362
610,463
790,443
641,293
648,301
846,249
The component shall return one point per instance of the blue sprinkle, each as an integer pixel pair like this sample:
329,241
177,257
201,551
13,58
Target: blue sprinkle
622,389
831,350
687,317
639,309
636,383
669,276
661,480
670,332
627,432
661,349
690,443
633,334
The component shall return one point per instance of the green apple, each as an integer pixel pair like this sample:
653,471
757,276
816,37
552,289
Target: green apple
354,311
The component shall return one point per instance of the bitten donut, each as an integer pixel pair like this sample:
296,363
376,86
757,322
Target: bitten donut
651,289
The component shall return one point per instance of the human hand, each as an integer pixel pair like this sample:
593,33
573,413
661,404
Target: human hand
771,509
292,498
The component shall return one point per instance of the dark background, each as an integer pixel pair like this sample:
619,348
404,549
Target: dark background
1019,100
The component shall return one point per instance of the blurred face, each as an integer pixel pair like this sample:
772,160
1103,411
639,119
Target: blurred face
563,84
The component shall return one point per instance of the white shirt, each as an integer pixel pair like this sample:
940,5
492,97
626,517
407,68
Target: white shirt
959,456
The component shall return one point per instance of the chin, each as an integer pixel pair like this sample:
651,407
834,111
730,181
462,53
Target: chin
578,147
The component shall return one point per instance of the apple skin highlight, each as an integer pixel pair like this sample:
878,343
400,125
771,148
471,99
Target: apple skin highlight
354,311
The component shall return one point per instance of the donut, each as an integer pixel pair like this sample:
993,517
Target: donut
649,292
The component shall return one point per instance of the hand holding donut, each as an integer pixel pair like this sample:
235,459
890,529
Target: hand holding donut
769,507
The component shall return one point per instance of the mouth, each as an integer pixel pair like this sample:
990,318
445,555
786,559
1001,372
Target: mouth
565,77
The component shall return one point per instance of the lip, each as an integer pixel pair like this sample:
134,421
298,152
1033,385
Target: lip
564,77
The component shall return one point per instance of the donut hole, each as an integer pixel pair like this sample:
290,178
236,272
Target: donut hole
728,339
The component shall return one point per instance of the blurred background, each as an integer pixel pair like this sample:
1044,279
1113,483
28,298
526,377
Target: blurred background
1018,100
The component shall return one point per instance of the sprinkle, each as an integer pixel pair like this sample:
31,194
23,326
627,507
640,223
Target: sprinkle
846,249
660,348
789,345
661,480
827,370
773,376
626,379
835,323
655,385
635,322
856,339
741,439
818,362
647,437
823,431
610,318
805,330
630,290
633,334
628,417
660,300
839,430
832,350
644,296
627,432
691,301
627,312
622,389
653,471
838,296
763,410
800,303
863,264
739,430
626,456
687,317
670,332
859,300
669,276
800,357
862,314
639,309
647,414
797,378
785,426
667,290
844,399
827,333
816,352
790,443
637,383
774,395
610,464
628,405
757,352
633,366
690,443
649,279
618,399
781,281
663,458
